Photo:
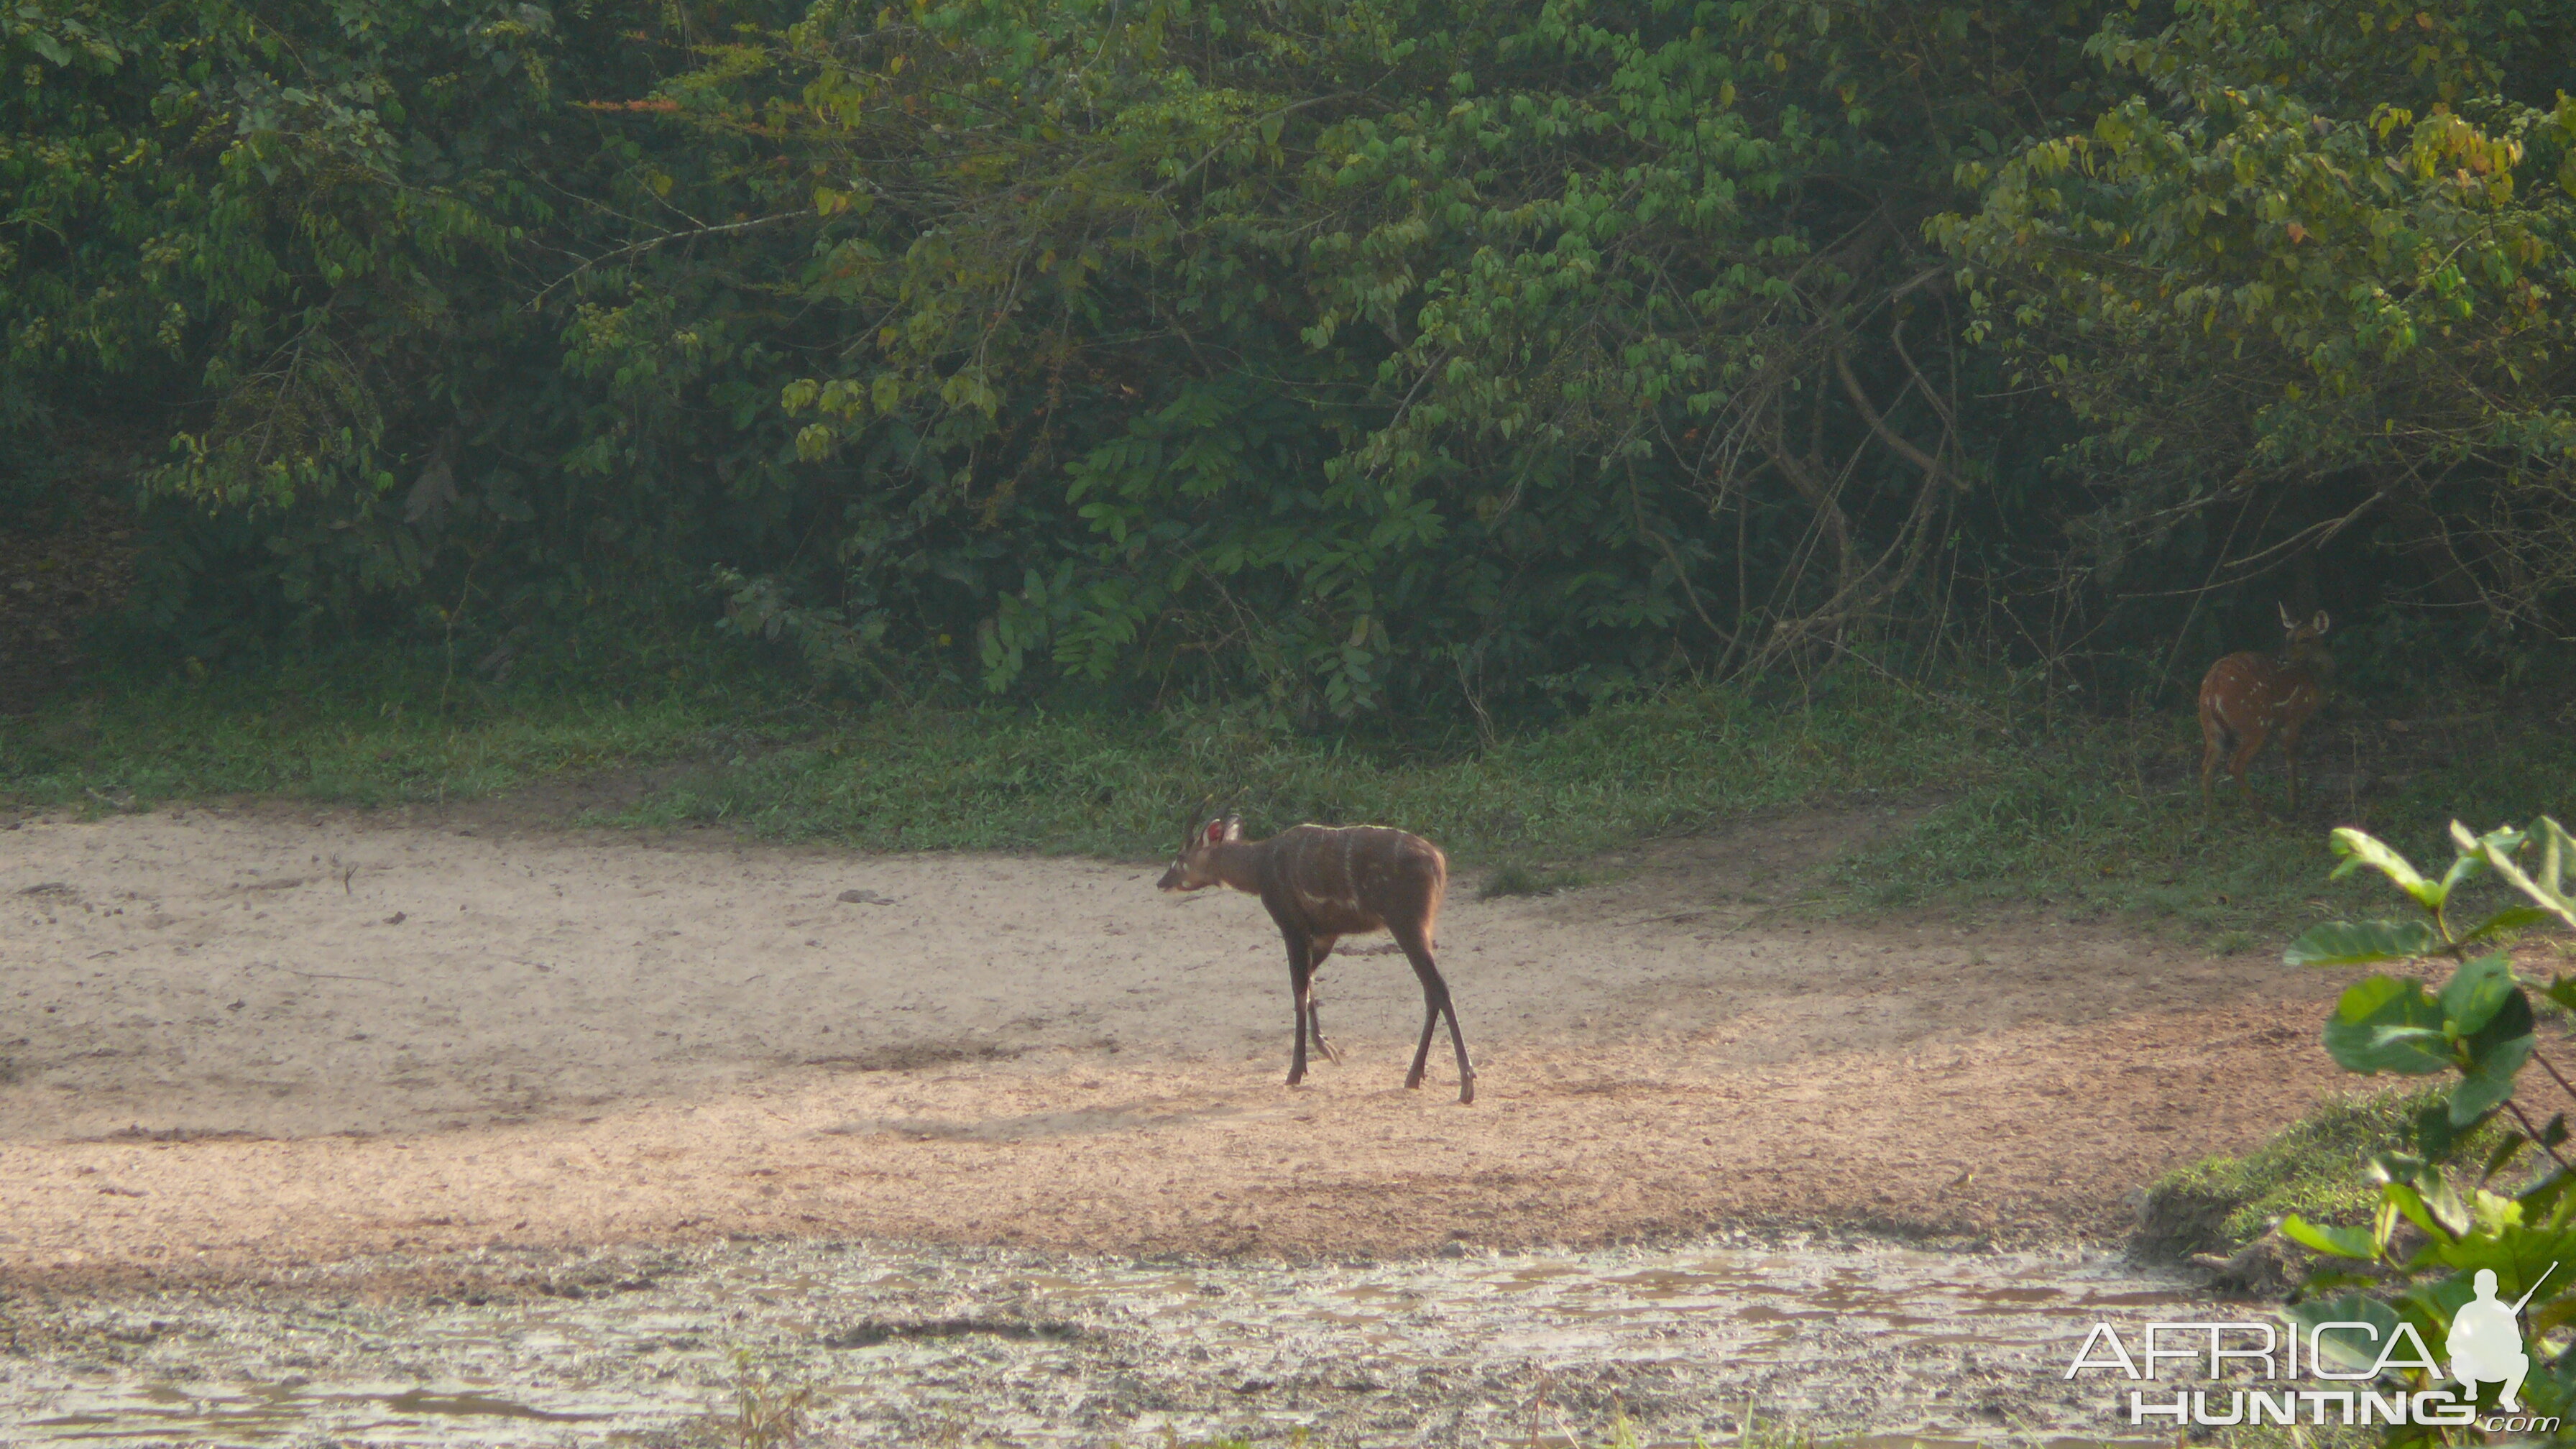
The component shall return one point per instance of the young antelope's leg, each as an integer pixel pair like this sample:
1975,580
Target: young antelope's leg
2242,761
1300,974
1458,1042
1435,1002
1322,947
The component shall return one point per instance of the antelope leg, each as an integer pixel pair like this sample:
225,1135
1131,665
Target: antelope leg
1458,1040
1300,974
1323,947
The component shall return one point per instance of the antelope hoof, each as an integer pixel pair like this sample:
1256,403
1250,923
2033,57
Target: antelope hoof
1330,1052
1466,1091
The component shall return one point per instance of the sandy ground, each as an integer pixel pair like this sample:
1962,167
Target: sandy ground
234,1040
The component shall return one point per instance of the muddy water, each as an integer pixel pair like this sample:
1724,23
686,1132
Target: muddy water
904,1345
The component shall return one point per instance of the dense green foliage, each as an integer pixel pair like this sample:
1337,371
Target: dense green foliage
1496,354
2317,271
2502,1226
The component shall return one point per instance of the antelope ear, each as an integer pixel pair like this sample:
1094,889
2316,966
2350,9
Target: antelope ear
1234,827
2287,622
2321,621
1215,832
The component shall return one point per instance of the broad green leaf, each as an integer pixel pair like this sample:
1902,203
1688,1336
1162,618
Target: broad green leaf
2360,848
2337,1242
2474,992
2497,1049
2543,1198
2429,1204
2422,1192
2520,1255
2488,1081
2512,1019
2511,918
2556,847
2386,1024
2497,848
2553,1309
2349,1351
2463,865
2360,943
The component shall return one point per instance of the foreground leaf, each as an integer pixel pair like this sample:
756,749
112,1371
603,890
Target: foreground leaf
2347,1352
2474,993
2361,943
2360,848
2386,1024
2511,918
2336,1242
2488,1081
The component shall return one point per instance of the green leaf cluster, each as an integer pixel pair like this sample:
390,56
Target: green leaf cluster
2479,1028
1511,354
1522,350
2313,275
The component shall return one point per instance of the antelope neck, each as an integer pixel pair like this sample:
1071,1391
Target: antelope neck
1237,863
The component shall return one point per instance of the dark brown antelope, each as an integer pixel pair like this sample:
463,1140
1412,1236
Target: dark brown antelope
1321,884
2248,700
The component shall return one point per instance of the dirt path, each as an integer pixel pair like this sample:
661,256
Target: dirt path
232,1040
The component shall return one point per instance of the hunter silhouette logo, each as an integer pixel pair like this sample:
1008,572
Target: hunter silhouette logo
2333,1372
2486,1341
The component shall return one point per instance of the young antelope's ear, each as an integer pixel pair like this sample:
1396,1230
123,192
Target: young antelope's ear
2287,621
2321,621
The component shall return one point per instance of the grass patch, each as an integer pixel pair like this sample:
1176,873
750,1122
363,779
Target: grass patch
2313,1167
772,1408
2026,810
1131,785
368,728
2104,817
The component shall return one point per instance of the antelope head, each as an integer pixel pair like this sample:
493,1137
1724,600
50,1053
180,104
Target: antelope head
1190,870
2300,639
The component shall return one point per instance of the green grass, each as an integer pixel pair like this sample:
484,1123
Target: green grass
2082,819
772,1407
372,729
2104,818
2314,1167
1131,785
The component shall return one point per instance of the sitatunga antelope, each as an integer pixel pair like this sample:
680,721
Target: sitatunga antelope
1321,883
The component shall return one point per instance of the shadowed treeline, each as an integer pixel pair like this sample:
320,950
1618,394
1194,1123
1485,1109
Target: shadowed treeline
1484,359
